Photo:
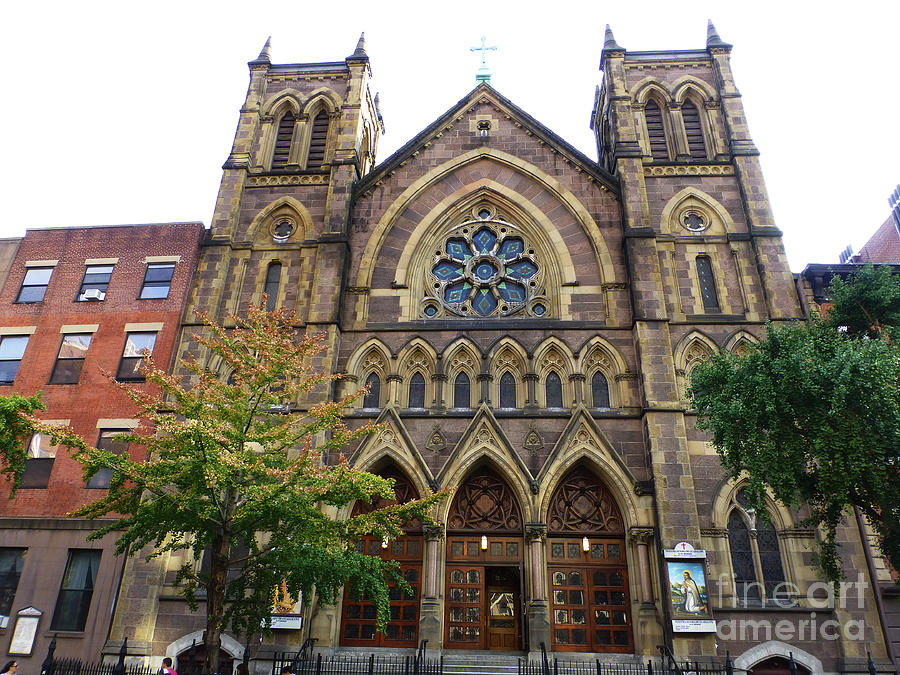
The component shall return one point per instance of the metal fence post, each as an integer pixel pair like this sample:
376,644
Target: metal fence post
729,664
47,666
319,664
871,664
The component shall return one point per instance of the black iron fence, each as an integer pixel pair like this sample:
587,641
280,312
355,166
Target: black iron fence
79,667
305,662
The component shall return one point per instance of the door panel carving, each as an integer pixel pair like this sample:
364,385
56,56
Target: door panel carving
484,502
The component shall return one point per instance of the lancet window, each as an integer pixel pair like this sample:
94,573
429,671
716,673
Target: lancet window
417,391
317,141
599,391
372,399
693,130
707,284
554,391
273,282
283,138
462,395
656,131
755,555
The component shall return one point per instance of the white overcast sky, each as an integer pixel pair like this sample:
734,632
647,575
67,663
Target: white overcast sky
123,112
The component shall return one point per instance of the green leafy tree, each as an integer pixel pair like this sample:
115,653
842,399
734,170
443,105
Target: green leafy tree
812,413
232,476
15,430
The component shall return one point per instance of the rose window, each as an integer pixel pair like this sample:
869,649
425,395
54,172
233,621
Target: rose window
485,268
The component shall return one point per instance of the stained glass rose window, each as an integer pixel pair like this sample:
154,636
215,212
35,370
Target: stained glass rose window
484,268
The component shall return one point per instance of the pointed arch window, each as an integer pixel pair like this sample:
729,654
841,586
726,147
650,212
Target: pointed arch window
553,386
508,391
273,283
417,391
693,130
755,560
599,391
707,284
283,138
317,139
656,131
462,395
372,399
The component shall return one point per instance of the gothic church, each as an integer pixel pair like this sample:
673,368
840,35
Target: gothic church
527,319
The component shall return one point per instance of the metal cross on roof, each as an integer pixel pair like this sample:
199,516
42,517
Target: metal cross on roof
483,74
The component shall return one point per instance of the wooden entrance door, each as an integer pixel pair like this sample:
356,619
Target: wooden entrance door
465,607
503,608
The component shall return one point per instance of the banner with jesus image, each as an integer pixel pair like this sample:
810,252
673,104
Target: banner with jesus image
690,602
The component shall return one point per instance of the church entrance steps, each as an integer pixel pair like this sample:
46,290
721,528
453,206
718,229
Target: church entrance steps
482,662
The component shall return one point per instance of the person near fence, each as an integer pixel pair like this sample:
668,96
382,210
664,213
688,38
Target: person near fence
10,668
167,668
243,670
287,670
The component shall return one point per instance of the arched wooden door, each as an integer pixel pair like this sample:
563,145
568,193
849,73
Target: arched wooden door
484,603
358,614
590,607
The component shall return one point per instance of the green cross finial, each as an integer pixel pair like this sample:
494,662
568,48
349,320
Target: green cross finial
483,75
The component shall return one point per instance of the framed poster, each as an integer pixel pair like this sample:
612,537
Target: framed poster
689,598
22,643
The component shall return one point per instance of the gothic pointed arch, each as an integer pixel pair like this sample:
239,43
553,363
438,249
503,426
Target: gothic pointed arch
462,363
599,357
741,342
581,503
392,444
422,226
370,359
484,502
691,86
692,211
277,104
508,359
319,109
692,349
553,365
582,441
284,221
485,441
766,650
416,365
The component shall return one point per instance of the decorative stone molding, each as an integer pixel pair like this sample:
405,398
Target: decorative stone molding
433,532
641,535
436,440
690,170
621,377
304,179
535,532
719,532
614,286
358,290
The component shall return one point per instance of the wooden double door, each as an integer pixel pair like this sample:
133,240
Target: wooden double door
484,594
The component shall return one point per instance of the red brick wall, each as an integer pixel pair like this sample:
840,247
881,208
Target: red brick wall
94,396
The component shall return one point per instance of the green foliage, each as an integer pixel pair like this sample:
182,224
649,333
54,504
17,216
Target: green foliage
812,413
15,430
232,476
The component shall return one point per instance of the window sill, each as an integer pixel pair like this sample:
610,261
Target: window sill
77,634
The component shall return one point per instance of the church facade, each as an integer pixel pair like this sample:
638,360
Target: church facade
526,319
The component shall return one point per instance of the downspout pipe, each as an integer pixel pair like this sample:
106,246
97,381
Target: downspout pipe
876,591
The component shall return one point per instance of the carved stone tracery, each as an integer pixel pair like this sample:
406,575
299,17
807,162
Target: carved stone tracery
582,503
484,502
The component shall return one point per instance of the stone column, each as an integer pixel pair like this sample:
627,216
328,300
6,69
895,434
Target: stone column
530,396
642,536
537,606
577,380
485,379
439,379
430,605
394,381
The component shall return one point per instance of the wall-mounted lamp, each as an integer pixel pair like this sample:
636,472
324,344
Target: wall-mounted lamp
585,544
484,542
384,543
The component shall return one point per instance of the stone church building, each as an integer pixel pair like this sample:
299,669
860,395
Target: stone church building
526,318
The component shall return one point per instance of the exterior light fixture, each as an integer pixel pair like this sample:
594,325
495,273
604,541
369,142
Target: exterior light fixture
384,543
484,542
585,544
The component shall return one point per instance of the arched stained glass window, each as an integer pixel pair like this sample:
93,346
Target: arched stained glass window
599,391
707,283
417,391
746,588
508,391
769,556
273,282
373,398
554,391
283,138
462,396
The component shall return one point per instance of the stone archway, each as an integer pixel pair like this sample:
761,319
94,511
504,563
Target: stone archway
358,615
590,607
485,573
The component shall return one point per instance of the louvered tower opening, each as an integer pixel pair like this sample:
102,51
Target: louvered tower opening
317,141
283,141
694,131
656,131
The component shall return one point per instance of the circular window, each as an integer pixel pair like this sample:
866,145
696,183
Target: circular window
694,221
485,270
282,230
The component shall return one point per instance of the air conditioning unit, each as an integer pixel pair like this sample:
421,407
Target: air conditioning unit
93,294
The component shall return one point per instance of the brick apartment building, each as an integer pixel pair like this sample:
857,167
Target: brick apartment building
76,302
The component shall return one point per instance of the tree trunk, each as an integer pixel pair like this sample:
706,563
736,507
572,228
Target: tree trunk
220,555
